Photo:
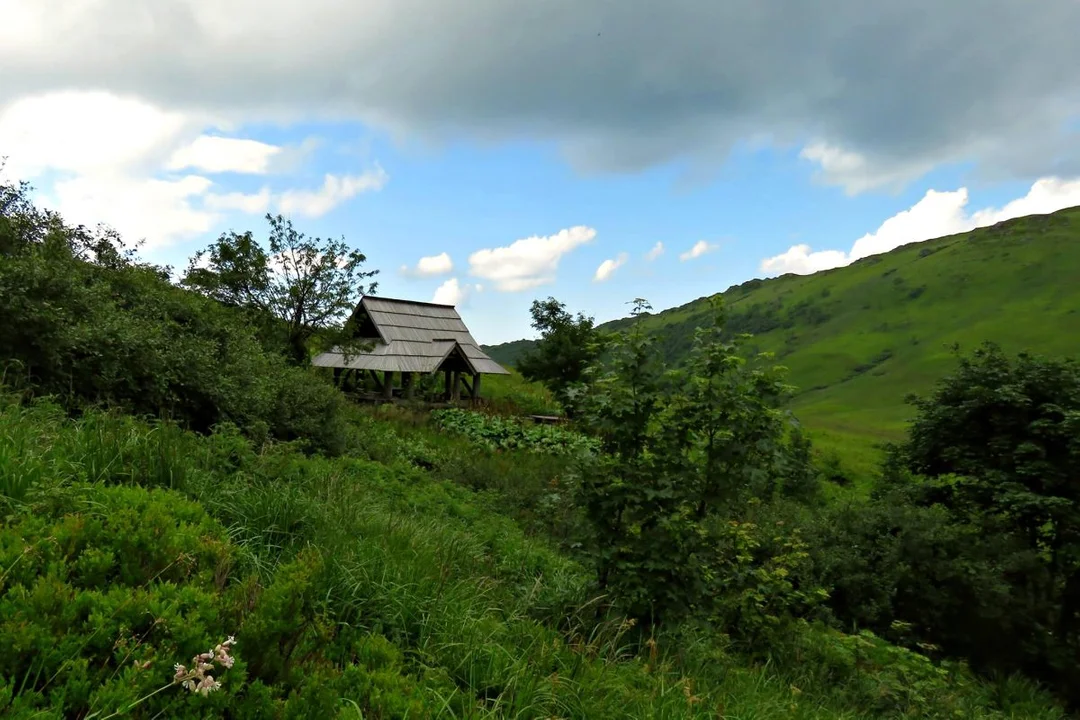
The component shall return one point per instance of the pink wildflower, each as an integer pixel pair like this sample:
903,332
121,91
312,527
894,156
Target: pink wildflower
208,685
198,678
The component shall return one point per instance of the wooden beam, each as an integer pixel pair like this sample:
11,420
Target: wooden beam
388,385
468,386
448,387
456,393
476,386
408,381
375,379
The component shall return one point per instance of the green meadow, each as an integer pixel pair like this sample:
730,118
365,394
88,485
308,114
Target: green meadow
858,339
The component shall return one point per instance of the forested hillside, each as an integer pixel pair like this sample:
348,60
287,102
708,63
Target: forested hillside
858,339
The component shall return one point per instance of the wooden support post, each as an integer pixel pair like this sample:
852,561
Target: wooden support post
455,394
448,388
476,386
375,379
337,376
388,385
468,385
408,381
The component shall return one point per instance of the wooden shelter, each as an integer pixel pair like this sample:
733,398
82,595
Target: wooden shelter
410,339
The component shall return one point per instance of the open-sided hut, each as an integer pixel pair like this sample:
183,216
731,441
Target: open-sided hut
410,338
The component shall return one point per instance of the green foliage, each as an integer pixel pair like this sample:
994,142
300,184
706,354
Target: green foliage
309,284
1000,441
362,588
103,589
760,579
970,542
1013,283
86,322
567,346
683,450
894,681
414,573
500,433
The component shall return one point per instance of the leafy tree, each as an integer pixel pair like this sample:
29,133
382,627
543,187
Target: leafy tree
1001,440
308,284
684,450
567,346
973,536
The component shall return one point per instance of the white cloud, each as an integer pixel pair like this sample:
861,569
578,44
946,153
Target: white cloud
430,266
451,292
855,173
157,211
335,190
937,214
109,156
529,262
1047,195
608,267
214,154
103,148
829,71
86,133
700,248
250,203
657,251
801,260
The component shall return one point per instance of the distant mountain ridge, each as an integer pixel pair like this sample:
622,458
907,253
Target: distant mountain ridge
857,339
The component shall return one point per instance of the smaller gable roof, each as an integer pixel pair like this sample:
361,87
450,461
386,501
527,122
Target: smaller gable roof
412,337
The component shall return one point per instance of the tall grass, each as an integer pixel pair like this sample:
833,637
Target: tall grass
484,620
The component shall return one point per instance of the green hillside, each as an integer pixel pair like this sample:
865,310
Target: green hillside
196,524
858,339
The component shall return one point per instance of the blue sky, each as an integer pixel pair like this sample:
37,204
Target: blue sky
414,140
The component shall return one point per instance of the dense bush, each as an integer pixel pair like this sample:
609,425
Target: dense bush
357,588
971,539
682,451
85,322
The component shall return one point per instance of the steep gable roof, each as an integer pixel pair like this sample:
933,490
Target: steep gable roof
411,336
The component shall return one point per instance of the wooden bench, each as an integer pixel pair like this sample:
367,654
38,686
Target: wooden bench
546,419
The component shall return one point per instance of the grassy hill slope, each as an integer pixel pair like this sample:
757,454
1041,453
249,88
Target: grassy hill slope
858,339
168,481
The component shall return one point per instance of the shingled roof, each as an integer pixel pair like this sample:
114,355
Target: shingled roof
411,336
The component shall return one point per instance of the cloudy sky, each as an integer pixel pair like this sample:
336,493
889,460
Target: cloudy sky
490,152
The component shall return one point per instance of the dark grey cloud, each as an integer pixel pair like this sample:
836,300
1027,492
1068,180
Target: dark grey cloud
620,84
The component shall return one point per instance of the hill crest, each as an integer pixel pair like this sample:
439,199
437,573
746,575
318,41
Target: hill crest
859,338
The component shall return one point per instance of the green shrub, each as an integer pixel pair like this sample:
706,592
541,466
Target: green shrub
103,590
85,322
